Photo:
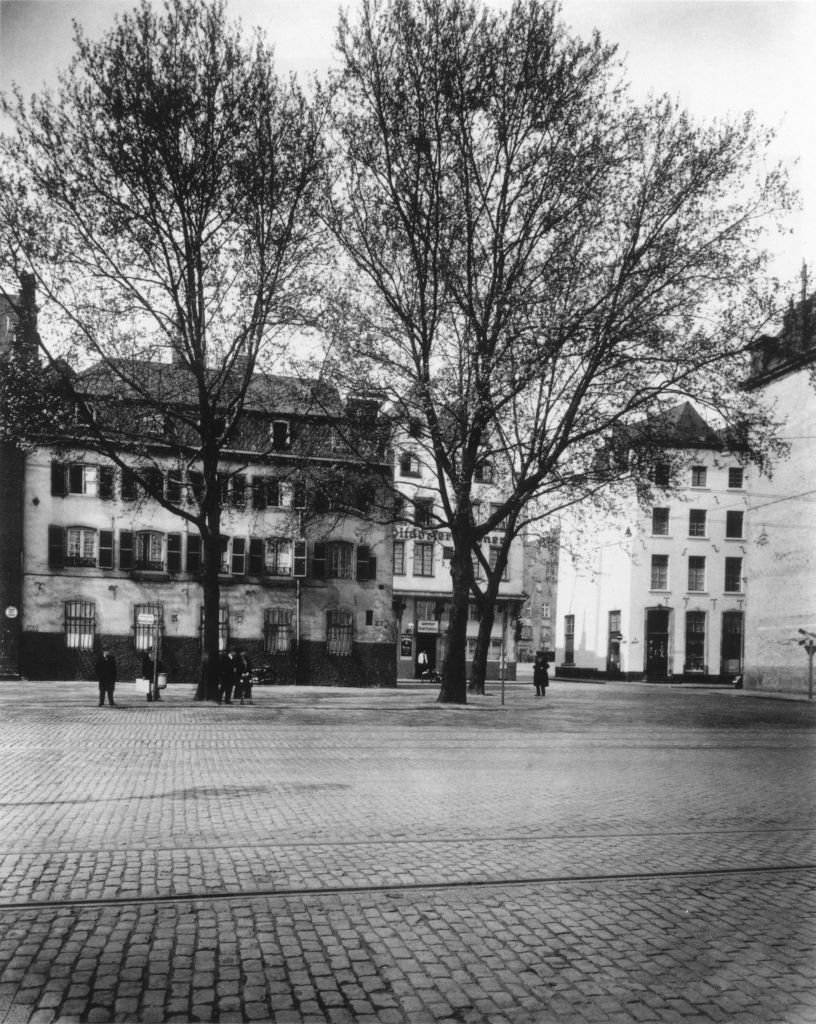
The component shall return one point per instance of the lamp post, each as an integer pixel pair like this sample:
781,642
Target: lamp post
808,641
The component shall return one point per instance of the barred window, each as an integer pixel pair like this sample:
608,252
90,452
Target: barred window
80,625
277,630
339,632
80,546
147,619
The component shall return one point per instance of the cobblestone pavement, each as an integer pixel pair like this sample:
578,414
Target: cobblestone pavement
610,853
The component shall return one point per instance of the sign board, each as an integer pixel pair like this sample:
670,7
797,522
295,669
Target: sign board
427,626
146,619
11,612
406,645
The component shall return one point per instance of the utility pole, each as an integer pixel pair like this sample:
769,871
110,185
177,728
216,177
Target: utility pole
808,641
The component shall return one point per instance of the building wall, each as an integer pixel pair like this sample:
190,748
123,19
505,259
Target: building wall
539,611
114,593
783,546
614,573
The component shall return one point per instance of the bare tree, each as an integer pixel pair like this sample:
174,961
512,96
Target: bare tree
537,261
164,199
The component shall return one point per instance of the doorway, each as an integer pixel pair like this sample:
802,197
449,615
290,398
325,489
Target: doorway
425,644
657,644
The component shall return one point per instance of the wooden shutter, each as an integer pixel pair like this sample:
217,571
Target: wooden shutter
193,552
362,562
56,547
319,561
256,556
174,552
58,479
106,549
258,493
238,560
125,549
106,483
299,561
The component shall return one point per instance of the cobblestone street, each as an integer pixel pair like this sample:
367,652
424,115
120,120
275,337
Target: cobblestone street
610,853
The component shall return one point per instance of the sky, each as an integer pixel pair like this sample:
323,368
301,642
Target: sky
716,57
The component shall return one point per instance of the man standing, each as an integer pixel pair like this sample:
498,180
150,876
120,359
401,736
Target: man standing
541,677
229,676
106,674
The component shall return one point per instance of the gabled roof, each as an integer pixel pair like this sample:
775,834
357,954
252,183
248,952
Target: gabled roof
679,426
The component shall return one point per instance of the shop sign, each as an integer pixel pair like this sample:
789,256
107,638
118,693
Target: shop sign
406,645
427,626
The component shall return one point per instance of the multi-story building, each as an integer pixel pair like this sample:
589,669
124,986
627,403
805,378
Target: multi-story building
782,515
536,630
660,593
305,581
421,560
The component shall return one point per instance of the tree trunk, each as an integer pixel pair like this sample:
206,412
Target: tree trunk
454,668
212,565
478,669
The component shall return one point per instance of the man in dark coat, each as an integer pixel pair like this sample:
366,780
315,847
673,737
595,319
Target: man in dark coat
228,677
106,674
541,677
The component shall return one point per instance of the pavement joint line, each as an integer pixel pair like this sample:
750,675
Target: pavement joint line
352,890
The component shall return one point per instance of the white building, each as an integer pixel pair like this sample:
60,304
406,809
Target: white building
661,593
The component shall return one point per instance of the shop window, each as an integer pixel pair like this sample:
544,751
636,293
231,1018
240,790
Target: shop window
733,575
569,639
660,572
735,477
277,630
399,557
695,641
339,632
278,557
423,559
80,625
697,522
80,547
698,476
696,573
147,624
660,522
733,524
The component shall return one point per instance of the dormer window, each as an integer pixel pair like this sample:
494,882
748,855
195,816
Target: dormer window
281,437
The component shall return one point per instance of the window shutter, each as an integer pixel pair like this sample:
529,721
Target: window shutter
174,552
128,485
362,562
76,479
58,479
258,496
125,549
273,492
256,556
372,567
56,547
106,549
106,483
193,553
299,560
319,561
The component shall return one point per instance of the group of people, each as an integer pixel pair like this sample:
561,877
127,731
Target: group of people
235,677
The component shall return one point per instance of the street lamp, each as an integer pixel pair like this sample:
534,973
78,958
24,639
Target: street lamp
808,641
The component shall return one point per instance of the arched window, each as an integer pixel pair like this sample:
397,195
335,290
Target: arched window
339,632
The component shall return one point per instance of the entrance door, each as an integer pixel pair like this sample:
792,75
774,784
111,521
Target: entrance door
425,643
657,643
731,650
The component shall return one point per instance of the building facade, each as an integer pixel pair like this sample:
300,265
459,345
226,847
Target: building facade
661,593
536,628
422,582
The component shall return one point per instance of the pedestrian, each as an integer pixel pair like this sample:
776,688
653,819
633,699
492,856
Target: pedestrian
228,676
422,663
244,668
150,671
541,677
106,674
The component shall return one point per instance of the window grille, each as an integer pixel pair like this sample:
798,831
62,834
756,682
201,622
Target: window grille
339,632
146,630
80,625
277,630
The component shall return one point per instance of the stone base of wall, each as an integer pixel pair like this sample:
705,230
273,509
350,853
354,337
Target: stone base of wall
45,656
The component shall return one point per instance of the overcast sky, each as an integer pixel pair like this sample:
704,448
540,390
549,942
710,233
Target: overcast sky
716,56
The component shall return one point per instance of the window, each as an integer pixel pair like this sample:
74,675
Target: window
423,558
106,549
399,557
698,476
173,552
408,464
73,479
334,560
502,524
154,482
483,473
278,557
424,609
280,435
148,552
660,572
696,572
733,575
366,563
399,506
147,621
265,492
106,479
277,630
174,487
493,557
569,639
660,522
733,524
339,632
661,474
223,626
238,491
473,612
697,522
477,565
423,511
80,625
238,559
129,491
735,479
695,641
80,547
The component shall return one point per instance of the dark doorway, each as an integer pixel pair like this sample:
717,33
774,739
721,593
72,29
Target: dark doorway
657,643
425,643
731,651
